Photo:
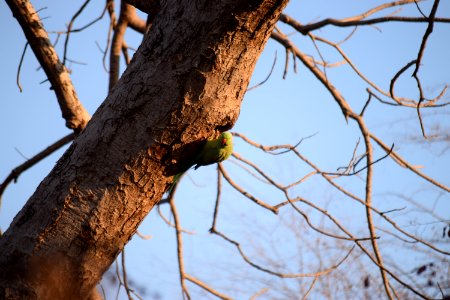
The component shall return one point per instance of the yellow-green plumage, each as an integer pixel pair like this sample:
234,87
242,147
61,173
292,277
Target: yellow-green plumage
213,151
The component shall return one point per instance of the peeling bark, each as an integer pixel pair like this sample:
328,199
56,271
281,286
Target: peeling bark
184,84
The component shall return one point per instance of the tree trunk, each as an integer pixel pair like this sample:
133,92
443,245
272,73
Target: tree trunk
185,83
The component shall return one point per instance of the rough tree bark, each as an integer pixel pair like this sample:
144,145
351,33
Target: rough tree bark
185,83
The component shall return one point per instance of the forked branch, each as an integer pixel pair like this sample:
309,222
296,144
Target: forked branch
73,112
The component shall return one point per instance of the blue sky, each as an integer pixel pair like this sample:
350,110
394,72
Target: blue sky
279,112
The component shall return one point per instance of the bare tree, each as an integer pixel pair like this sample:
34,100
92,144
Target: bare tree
118,168
183,85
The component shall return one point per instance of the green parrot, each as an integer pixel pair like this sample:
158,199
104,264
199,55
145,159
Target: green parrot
213,151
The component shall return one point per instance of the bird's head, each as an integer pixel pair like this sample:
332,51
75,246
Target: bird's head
225,139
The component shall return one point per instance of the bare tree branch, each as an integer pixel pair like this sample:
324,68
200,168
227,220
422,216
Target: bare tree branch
206,287
268,75
117,41
345,108
73,112
150,7
429,30
124,275
278,274
399,160
330,180
20,65
15,173
245,193
136,23
184,289
359,20
382,224
218,195
259,293
431,19
310,288
69,29
368,201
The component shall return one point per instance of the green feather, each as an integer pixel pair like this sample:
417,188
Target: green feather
213,151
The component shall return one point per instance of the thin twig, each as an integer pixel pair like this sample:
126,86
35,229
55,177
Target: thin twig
245,168
286,63
69,28
218,195
399,100
259,293
285,148
206,287
397,75
120,280
325,65
310,288
279,274
169,223
179,237
366,105
329,216
267,77
112,25
245,193
15,173
368,200
345,108
419,60
359,20
257,169
431,20
399,160
418,8
143,236
80,29
329,179
365,167
124,275
20,66
126,56
75,115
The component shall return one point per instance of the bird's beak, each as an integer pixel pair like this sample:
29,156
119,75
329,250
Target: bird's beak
224,142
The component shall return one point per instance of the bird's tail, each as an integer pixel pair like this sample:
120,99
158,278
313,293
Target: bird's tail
183,169
176,178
